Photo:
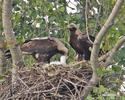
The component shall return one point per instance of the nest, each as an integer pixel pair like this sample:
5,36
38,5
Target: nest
46,83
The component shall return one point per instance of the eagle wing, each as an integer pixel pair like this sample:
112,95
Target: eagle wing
85,43
83,38
38,46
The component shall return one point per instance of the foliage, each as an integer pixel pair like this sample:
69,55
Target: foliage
106,94
120,56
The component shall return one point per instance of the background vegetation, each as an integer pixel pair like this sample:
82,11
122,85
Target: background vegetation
37,18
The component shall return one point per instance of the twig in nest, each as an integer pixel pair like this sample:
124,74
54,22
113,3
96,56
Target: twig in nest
77,63
23,82
58,85
69,90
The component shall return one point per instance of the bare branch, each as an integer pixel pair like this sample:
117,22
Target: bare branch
114,50
96,46
97,19
86,17
98,2
103,57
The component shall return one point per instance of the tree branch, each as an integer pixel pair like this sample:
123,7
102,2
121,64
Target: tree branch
113,51
104,57
86,17
96,47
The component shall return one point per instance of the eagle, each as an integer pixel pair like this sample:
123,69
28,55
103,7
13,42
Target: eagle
42,49
80,42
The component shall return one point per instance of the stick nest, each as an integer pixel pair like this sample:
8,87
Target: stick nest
46,83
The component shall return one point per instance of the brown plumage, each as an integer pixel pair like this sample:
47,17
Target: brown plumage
80,42
42,49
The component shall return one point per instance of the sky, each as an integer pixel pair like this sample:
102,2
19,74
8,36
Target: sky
73,5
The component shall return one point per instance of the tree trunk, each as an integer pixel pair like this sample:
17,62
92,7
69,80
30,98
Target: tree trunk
10,37
3,64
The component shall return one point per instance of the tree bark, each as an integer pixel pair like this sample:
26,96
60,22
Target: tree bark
3,62
10,37
96,47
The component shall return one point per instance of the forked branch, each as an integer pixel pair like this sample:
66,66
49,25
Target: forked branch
114,50
96,47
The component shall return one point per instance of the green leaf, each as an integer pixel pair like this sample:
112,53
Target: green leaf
17,9
100,73
101,88
95,90
1,79
89,97
116,68
100,98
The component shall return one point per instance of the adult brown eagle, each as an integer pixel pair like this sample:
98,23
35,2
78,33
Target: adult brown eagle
42,49
80,42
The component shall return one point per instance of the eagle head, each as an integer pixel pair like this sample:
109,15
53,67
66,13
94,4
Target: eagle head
72,27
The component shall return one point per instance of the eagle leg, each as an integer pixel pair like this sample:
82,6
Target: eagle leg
80,57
